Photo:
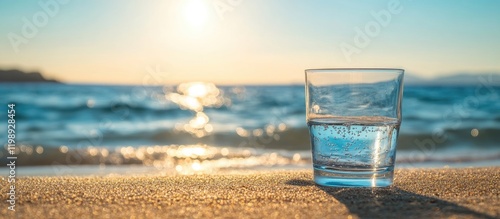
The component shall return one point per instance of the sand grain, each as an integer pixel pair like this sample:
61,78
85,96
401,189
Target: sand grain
417,193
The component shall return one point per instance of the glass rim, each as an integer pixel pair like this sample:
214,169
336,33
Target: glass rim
325,70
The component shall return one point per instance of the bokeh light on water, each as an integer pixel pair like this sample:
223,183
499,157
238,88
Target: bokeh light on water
196,96
171,159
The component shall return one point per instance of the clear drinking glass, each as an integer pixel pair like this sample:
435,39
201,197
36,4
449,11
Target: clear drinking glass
354,117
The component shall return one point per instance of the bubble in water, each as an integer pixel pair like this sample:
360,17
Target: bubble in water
362,146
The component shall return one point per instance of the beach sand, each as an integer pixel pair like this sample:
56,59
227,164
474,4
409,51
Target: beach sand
417,193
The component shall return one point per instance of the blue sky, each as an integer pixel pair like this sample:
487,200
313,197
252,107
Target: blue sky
253,41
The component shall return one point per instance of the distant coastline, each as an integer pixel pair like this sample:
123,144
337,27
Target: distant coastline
14,75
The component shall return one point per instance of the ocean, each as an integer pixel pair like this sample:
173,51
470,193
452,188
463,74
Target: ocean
199,126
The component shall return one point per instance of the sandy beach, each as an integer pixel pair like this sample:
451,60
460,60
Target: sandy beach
417,193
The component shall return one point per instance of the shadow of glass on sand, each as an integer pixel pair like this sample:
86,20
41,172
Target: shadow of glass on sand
393,202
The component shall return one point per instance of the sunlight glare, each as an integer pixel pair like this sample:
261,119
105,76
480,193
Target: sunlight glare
196,13
197,90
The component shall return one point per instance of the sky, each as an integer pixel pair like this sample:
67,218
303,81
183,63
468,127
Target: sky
244,41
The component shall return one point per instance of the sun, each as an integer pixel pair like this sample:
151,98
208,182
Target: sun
196,13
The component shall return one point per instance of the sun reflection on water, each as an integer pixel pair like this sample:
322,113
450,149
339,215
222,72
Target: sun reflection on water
170,159
195,96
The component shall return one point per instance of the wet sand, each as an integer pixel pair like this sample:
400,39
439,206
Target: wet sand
417,193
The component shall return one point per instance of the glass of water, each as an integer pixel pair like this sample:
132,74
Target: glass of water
353,116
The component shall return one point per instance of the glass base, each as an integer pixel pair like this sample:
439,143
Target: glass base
340,178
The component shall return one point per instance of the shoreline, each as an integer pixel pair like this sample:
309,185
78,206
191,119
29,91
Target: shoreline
134,170
416,193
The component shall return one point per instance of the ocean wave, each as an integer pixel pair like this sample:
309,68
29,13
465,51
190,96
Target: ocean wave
180,158
108,107
270,137
260,118
186,159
